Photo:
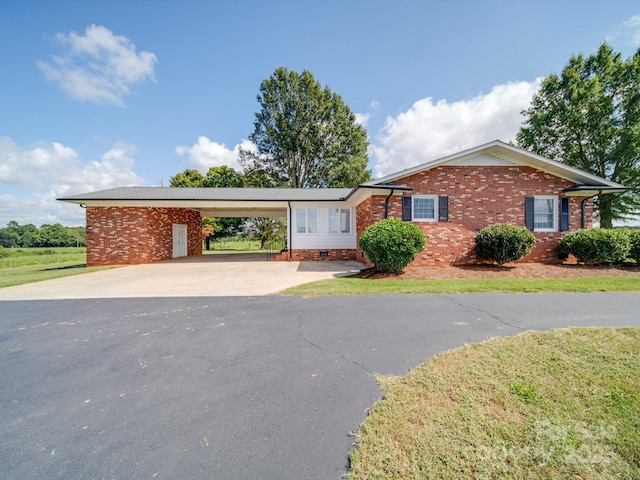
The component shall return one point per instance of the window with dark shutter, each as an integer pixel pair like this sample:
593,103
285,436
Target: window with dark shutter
406,208
443,209
529,203
564,214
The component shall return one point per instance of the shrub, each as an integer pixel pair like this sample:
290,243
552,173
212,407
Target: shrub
634,240
504,242
392,244
599,245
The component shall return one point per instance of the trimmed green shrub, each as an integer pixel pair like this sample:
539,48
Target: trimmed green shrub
392,244
599,245
504,242
634,240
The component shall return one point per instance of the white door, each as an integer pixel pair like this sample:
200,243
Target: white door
179,240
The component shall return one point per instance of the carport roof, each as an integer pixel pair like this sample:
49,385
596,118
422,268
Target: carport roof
212,194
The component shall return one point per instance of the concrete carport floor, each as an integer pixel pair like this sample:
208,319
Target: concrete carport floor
202,276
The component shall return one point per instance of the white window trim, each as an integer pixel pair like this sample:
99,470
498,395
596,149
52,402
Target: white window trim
435,208
306,221
339,232
555,212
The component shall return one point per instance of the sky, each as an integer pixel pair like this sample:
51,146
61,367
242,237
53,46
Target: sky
101,94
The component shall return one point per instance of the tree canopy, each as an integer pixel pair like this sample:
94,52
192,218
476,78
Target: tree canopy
589,118
28,235
222,176
305,136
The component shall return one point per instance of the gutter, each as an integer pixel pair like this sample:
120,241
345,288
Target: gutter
582,207
386,204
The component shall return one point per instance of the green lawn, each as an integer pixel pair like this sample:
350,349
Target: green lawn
233,246
360,286
558,405
26,265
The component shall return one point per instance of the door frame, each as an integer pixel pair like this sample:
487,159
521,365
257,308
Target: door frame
179,240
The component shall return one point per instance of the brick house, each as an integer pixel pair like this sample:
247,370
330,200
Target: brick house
450,199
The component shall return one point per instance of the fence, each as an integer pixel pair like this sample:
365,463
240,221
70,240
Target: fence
276,247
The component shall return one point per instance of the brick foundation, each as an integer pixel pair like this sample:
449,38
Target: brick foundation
337,254
133,235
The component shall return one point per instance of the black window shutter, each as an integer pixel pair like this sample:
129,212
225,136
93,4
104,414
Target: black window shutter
406,208
443,209
528,212
564,214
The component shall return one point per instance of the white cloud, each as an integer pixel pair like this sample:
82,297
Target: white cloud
431,130
363,118
205,154
37,174
627,34
99,67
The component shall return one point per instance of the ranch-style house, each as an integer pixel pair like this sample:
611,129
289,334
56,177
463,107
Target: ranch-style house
450,199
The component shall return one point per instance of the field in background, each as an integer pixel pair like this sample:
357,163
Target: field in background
26,265
233,246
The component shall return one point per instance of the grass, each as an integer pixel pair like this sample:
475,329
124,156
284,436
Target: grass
26,265
233,246
360,286
563,404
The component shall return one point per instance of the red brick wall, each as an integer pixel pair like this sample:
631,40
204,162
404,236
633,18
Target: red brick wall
478,197
132,235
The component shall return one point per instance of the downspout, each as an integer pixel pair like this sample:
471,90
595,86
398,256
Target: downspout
386,204
582,207
289,228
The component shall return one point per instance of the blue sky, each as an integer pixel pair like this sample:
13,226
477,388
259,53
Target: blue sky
96,95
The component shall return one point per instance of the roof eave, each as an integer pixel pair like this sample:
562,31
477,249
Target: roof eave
592,190
539,162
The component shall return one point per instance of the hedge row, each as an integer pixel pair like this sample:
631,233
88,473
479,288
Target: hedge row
602,245
392,244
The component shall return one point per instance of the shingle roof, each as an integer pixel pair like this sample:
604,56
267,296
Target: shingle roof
217,194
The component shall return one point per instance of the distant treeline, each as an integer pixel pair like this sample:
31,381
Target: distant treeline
16,235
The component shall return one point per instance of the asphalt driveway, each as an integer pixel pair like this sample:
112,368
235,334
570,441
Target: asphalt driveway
230,387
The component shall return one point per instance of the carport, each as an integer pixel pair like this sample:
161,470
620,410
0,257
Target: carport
134,225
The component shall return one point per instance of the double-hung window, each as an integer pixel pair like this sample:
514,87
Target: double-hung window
339,220
424,208
541,213
307,220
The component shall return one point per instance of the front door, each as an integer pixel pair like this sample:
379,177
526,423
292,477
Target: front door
179,240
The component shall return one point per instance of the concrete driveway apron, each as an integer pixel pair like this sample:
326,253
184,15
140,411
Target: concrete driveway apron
203,276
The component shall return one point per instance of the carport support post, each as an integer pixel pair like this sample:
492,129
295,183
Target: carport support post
289,228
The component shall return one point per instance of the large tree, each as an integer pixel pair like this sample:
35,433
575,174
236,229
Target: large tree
589,118
222,176
305,136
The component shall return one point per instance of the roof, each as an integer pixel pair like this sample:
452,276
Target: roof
500,153
217,194
247,202
212,202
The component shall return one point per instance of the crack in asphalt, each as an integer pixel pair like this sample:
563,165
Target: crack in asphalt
495,317
328,350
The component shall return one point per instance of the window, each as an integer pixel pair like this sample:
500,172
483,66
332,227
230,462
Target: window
541,213
307,220
339,220
424,208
